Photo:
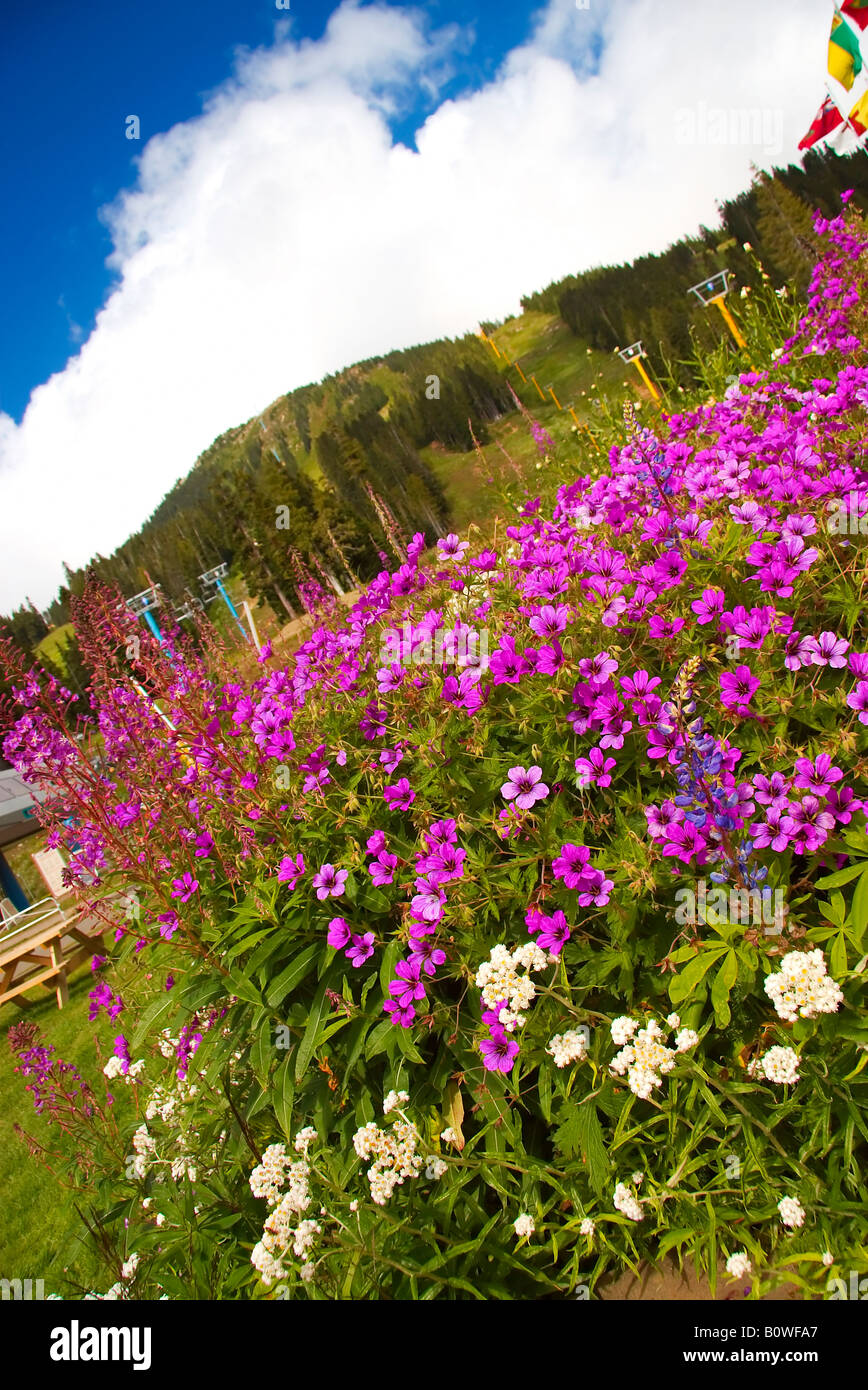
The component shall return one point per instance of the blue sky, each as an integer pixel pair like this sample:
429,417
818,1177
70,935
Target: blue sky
314,187
70,74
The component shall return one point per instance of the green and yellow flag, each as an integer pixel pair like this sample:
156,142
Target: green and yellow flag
845,57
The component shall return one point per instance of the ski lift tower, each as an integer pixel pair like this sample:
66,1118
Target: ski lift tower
714,291
188,609
634,354
212,580
144,604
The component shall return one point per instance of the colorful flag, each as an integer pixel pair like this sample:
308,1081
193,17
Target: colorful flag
859,115
827,119
845,57
856,11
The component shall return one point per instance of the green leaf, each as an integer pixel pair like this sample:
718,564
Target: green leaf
842,876
387,965
838,955
293,974
245,989
319,1010
721,986
154,1013
262,1052
378,1039
283,1094
544,1091
568,1135
681,986
592,1146
858,914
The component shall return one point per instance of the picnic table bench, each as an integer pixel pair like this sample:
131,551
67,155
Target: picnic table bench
41,944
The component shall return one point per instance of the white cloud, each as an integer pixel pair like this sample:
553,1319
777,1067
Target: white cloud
282,234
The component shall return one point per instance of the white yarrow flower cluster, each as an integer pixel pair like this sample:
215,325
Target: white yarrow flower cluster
645,1058
587,1227
268,1180
435,1168
622,1030
568,1047
268,1177
524,1225
792,1212
626,1202
802,987
394,1100
449,1136
114,1068
394,1153
778,1064
739,1265
304,1139
500,982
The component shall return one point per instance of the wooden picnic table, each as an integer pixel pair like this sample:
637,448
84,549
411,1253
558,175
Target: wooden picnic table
41,944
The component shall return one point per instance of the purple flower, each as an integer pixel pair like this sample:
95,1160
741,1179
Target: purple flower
553,933
597,669
329,882
339,933
400,1016
858,700
525,787
442,832
596,769
451,548
828,650
428,902
290,870
427,954
550,620
499,1051
399,797
376,842
571,864
817,777
737,687
184,887
382,870
361,949
407,986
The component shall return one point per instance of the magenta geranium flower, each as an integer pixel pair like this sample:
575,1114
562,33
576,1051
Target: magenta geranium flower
737,687
407,986
525,787
427,954
817,777
858,700
339,933
499,1051
403,1017
376,842
550,620
329,882
362,948
553,933
399,796
290,870
451,548
382,869
571,864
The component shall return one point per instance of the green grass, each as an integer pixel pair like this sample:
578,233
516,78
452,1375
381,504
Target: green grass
41,1235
